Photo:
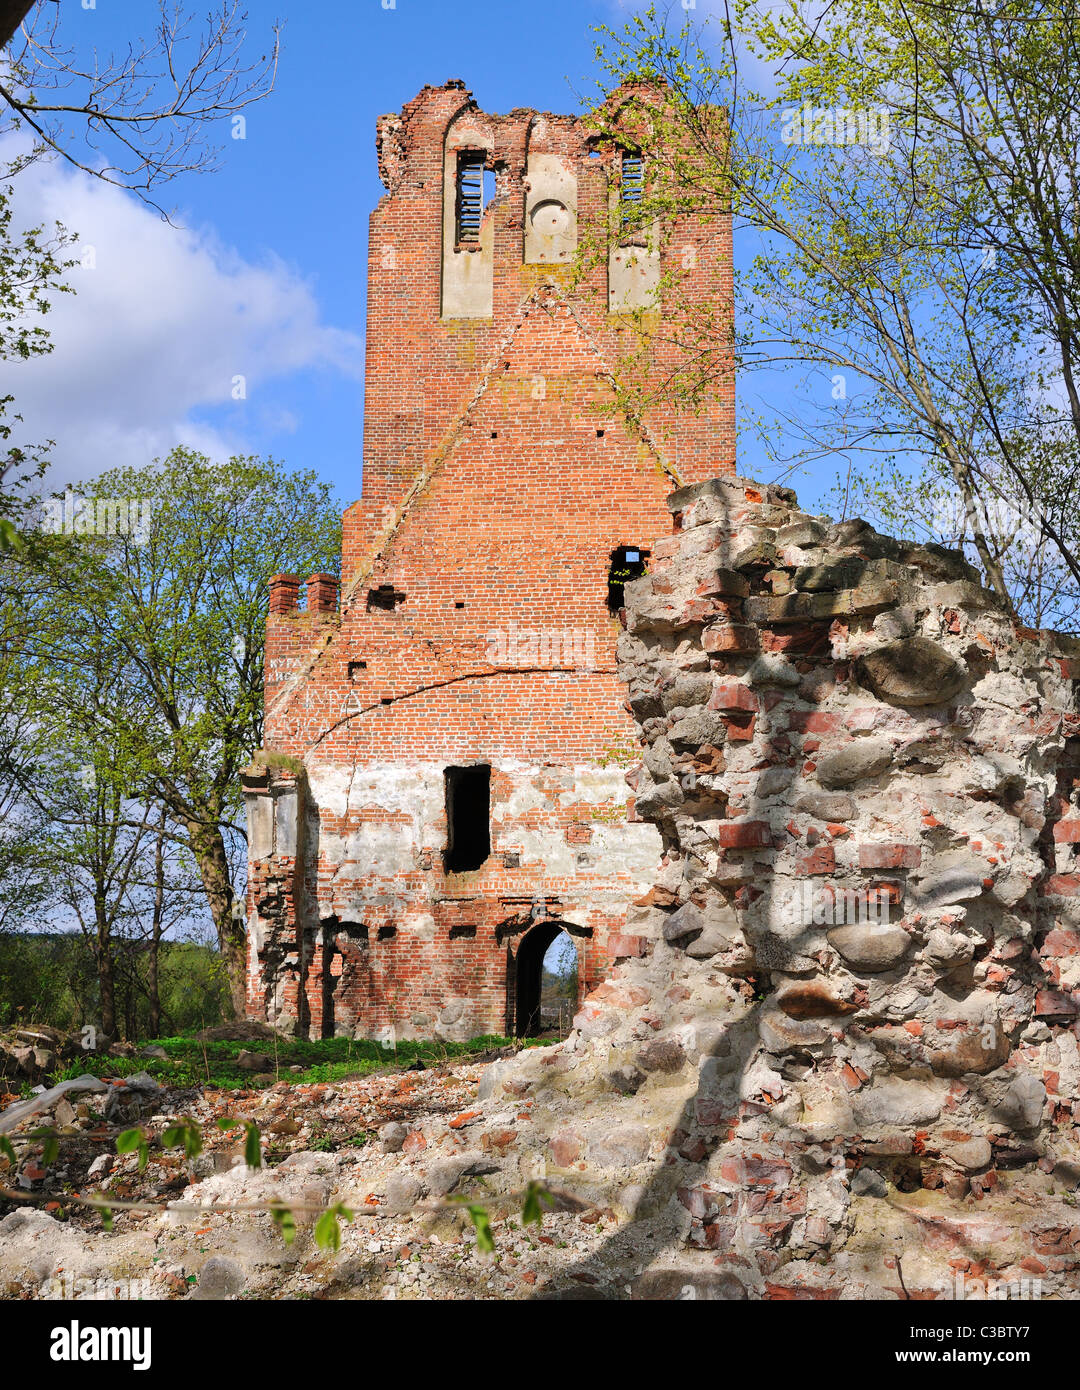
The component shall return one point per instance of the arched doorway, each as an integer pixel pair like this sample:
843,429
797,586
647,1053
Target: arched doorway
545,980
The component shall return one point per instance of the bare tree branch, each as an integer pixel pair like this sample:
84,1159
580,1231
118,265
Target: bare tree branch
139,118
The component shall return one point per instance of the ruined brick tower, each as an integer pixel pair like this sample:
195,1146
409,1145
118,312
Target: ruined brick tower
442,789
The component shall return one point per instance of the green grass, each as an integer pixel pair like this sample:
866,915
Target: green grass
194,1063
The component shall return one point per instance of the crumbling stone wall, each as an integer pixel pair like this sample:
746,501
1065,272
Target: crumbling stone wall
826,709
840,1060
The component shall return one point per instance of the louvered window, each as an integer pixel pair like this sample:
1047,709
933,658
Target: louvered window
470,196
632,187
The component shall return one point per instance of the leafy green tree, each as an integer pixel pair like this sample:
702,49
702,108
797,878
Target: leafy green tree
46,979
927,507
32,266
165,901
95,854
907,188
73,815
136,119
173,605
23,864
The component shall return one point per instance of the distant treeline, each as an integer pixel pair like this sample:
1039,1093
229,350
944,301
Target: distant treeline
52,978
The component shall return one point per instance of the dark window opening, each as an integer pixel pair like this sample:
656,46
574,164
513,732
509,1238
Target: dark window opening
631,187
494,434
460,603
468,810
599,434
386,597
352,931
475,187
387,933
332,968
462,933
546,985
627,562
355,667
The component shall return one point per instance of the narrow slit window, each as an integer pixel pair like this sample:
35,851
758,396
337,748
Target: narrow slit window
631,186
475,186
468,817
627,562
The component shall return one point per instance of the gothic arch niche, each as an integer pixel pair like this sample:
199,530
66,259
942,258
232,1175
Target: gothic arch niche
552,943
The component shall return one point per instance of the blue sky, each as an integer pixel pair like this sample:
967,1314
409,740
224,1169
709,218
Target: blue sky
262,277
301,186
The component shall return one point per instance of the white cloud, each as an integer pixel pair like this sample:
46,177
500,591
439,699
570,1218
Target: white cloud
163,322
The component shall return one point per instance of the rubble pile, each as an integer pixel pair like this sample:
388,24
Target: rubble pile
395,1147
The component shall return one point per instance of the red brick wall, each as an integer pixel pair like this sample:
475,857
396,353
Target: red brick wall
422,372
498,478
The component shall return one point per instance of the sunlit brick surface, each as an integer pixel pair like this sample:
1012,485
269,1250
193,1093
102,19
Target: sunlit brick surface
499,475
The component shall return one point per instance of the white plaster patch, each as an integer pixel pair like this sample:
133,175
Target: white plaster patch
373,849
600,785
632,849
414,795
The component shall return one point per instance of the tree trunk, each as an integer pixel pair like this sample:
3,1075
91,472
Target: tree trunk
105,972
154,1021
155,931
208,846
12,14
131,1001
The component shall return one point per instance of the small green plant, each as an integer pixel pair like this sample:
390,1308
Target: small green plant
134,1141
621,752
328,1227
478,1215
